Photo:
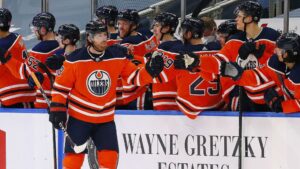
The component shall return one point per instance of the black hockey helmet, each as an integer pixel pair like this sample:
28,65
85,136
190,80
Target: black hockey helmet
290,43
109,13
69,31
44,19
93,27
228,27
196,26
131,15
250,8
5,19
167,19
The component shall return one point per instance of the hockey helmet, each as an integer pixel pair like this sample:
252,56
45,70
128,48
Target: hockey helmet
69,31
167,19
130,15
5,18
290,43
44,19
196,26
250,8
109,13
93,27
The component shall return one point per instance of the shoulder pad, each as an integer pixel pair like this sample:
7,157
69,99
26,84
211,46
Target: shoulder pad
276,65
78,54
294,74
46,46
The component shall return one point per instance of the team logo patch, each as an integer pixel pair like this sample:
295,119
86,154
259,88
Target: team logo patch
98,83
250,63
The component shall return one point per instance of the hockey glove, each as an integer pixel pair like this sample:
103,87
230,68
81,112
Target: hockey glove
273,100
232,70
155,65
258,53
3,58
57,114
246,49
55,62
40,78
186,61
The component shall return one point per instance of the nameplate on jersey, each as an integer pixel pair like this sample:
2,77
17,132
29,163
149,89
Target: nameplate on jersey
98,83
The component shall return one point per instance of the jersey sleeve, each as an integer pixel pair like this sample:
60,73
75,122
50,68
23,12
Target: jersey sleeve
64,83
135,75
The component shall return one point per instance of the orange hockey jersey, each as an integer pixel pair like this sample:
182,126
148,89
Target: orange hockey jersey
198,91
12,89
90,86
229,52
287,81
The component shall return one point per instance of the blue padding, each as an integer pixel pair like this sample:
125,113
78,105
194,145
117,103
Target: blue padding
170,112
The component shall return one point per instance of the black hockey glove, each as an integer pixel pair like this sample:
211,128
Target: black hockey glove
3,58
246,49
186,61
156,64
55,62
232,70
258,53
40,78
57,114
273,100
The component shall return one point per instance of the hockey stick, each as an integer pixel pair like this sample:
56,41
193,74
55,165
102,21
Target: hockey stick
92,155
38,84
77,148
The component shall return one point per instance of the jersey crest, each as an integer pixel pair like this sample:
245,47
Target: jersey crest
98,83
250,63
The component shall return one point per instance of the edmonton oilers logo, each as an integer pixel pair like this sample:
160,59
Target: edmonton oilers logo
98,83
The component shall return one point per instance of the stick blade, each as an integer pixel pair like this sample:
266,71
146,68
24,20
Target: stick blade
80,148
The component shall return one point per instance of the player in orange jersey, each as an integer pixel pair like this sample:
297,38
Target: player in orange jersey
250,49
282,69
88,81
67,36
14,92
164,27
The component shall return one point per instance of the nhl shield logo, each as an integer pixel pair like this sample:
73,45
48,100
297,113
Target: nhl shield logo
98,83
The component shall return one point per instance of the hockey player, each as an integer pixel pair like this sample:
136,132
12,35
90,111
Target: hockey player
250,49
108,15
89,81
67,36
164,27
194,93
139,45
43,26
14,92
225,30
282,69
209,34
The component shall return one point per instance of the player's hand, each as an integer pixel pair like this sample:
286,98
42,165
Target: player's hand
273,100
40,78
55,62
232,70
186,61
3,58
246,49
57,114
155,64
